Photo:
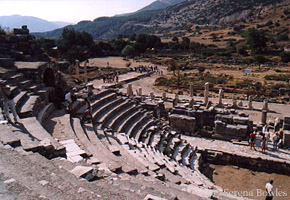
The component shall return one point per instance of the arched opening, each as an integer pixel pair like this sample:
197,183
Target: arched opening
48,78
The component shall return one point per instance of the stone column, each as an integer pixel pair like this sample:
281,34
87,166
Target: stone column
191,90
206,92
191,102
235,104
221,94
140,91
77,66
175,100
265,106
250,105
164,96
264,117
129,90
86,73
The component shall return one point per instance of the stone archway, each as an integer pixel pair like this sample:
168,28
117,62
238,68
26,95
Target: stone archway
49,77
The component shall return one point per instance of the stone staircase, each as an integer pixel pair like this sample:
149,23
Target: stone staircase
127,138
31,99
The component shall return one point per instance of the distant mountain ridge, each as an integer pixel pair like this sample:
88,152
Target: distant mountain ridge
160,4
34,24
178,15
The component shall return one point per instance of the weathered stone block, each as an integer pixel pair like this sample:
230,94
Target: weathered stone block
286,139
182,123
241,120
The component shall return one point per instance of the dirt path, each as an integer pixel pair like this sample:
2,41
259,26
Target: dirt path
249,183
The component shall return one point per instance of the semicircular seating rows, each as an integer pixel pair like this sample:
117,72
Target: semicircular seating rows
124,137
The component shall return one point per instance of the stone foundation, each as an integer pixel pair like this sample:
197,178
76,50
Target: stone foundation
182,123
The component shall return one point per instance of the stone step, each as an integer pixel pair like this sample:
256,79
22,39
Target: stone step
43,92
140,127
98,149
142,135
28,142
115,124
136,126
150,139
24,84
93,100
15,78
28,109
53,148
106,108
15,90
20,99
127,124
78,131
34,87
45,112
117,111
7,137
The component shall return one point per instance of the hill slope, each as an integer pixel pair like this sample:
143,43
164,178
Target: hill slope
209,12
182,16
160,4
34,24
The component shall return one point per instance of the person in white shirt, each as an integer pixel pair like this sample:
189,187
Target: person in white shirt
269,190
8,102
69,100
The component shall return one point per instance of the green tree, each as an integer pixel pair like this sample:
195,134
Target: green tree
257,40
185,42
285,57
128,50
75,45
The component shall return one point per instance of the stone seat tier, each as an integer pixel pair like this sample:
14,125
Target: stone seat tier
99,103
106,109
8,137
54,148
15,77
20,99
137,125
101,152
108,118
26,110
45,112
113,143
130,121
94,100
115,123
141,129
24,84
34,87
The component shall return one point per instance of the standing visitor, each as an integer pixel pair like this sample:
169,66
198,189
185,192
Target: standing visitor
264,140
88,111
8,102
252,140
275,141
269,190
68,98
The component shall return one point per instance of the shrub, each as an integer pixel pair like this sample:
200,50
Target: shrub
285,56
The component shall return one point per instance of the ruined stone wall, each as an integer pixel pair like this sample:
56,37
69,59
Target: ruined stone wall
252,163
182,123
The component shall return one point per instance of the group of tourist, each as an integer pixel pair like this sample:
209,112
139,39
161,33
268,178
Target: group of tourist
262,139
114,78
144,68
71,97
7,96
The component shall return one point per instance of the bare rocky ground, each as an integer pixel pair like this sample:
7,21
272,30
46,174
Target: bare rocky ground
251,181
27,176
